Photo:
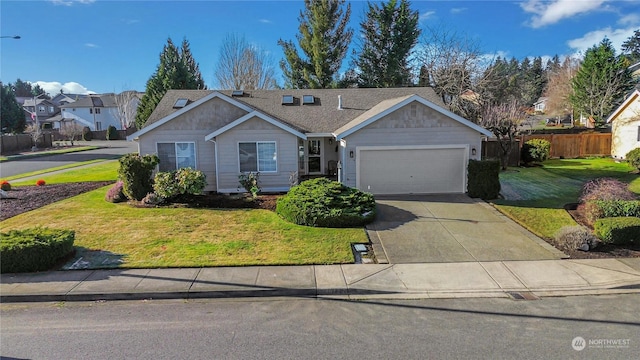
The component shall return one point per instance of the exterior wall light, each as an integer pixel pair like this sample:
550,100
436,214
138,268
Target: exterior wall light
351,154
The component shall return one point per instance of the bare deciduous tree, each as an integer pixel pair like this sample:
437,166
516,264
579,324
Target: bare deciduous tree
454,66
126,107
34,130
503,121
559,88
71,130
242,66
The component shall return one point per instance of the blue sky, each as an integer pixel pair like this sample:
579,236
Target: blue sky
110,46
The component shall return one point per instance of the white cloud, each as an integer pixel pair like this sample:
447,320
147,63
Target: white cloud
53,87
91,45
426,15
617,37
71,2
488,58
629,19
130,21
551,12
266,21
457,10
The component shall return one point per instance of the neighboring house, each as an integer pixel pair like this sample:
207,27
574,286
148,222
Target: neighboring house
540,105
96,111
625,126
384,141
46,112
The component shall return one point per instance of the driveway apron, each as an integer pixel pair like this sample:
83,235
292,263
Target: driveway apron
451,228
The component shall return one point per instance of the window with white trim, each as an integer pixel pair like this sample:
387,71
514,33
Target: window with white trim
178,155
260,156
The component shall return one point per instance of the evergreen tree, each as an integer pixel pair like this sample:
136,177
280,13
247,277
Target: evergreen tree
390,31
601,82
323,39
631,48
22,88
12,118
177,70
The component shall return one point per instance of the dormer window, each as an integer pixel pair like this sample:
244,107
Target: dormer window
287,99
308,100
180,103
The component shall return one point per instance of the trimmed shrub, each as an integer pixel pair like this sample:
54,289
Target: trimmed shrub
575,237
186,181
633,158
34,249
618,208
135,173
250,182
618,230
41,182
535,150
483,179
5,185
112,133
87,135
115,193
606,189
325,203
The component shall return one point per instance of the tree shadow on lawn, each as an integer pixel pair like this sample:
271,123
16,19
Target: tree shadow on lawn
84,258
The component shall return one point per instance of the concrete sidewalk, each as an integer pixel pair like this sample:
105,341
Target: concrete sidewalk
515,279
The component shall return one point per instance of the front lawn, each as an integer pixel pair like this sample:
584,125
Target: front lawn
535,196
187,237
102,171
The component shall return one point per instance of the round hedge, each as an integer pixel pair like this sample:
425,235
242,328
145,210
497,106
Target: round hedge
324,203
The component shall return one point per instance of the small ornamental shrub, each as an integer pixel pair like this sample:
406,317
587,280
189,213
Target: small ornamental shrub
152,199
618,230
115,193
325,203
483,179
186,181
87,135
135,173
5,185
112,133
40,182
250,182
35,249
606,189
576,237
614,208
535,150
633,158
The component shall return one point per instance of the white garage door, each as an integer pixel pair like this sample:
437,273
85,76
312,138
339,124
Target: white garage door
403,170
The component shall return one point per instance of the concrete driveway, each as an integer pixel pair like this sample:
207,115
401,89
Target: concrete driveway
450,228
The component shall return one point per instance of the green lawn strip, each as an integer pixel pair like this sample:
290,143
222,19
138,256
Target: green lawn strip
57,168
102,171
47,153
183,237
537,195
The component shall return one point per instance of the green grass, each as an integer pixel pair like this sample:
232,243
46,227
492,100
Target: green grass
102,171
183,237
57,168
535,196
47,153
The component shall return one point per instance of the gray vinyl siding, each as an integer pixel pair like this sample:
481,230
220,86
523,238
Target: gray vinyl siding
193,126
256,130
406,126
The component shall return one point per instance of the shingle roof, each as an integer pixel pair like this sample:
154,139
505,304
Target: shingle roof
102,100
321,117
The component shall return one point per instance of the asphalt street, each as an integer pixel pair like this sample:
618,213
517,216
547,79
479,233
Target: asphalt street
108,150
325,329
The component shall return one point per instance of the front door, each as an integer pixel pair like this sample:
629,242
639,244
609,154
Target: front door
314,156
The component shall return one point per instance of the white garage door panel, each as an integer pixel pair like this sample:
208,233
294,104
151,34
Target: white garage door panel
406,171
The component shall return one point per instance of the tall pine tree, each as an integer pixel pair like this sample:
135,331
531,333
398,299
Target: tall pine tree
11,114
324,39
390,31
601,82
177,70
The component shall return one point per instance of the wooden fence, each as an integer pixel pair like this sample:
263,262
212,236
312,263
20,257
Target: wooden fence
10,144
566,146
